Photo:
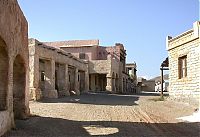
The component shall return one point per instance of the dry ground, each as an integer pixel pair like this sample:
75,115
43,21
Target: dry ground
107,115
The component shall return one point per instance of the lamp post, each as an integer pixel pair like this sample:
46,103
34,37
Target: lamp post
161,94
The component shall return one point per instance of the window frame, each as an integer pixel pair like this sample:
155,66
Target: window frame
182,67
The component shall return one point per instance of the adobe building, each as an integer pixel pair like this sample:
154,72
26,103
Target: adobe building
54,73
14,72
107,65
184,65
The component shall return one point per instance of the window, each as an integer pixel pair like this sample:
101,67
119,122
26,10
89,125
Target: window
42,76
82,55
182,67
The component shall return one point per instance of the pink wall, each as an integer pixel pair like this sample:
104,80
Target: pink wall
90,51
96,52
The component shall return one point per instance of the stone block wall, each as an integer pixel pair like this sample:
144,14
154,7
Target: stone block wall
100,66
187,44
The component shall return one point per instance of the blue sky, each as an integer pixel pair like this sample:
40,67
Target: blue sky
141,25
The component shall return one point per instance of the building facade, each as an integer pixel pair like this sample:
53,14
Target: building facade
184,65
131,70
106,65
14,76
54,73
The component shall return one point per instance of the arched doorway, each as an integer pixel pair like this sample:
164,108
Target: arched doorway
3,75
19,80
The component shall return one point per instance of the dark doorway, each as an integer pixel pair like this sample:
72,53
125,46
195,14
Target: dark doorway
19,80
3,74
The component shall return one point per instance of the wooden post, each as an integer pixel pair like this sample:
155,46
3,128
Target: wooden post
161,81
164,66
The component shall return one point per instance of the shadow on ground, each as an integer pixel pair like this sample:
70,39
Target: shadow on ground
143,93
97,99
102,99
54,127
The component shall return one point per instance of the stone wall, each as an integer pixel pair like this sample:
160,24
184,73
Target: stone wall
100,66
14,35
187,44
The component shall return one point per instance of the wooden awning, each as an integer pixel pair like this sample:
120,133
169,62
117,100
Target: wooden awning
165,63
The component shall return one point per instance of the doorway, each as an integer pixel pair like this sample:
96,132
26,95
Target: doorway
19,80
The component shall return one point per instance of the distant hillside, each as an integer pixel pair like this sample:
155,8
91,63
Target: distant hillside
158,78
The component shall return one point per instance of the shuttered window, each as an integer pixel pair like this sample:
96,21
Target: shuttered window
182,67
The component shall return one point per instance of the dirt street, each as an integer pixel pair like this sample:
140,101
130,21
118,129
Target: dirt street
107,115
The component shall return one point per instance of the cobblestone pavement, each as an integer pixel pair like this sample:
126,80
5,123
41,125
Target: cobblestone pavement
98,114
